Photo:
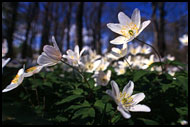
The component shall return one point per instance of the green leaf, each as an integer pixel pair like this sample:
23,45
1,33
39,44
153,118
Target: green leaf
75,107
68,99
139,74
148,122
182,110
99,105
78,91
84,112
165,87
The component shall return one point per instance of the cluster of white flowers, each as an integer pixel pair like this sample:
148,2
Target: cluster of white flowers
87,60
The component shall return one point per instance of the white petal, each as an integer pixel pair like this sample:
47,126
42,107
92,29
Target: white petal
138,97
4,62
140,108
109,92
143,26
52,52
115,88
119,40
136,18
43,59
10,87
123,19
76,49
125,114
84,49
55,44
129,88
37,70
115,27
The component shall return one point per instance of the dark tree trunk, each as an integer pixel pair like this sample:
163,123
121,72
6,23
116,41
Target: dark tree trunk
161,44
68,24
11,29
79,25
98,43
46,27
29,19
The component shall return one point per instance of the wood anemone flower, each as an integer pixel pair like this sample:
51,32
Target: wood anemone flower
51,55
127,28
126,101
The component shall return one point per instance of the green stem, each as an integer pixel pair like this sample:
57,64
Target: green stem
28,95
113,115
153,49
77,71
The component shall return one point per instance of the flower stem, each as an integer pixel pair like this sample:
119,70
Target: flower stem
77,71
113,115
153,49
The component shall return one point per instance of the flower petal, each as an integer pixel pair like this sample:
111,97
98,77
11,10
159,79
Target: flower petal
140,108
143,26
10,87
119,40
115,88
76,50
136,18
55,44
109,92
115,27
52,52
43,59
137,98
129,88
123,19
124,113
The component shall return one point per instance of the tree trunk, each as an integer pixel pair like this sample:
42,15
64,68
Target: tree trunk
68,24
98,43
79,25
11,29
161,44
46,27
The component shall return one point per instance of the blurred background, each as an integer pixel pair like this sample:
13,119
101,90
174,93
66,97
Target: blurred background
28,26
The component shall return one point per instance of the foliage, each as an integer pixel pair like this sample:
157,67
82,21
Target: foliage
48,98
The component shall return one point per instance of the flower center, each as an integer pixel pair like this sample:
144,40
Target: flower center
129,30
15,80
31,69
125,99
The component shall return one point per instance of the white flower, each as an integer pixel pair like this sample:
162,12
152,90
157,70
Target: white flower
51,55
120,70
74,57
126,101
148,62
184,122
93,55
33,70
133,50
128,28
16,81
102,78
169,57
88,64
184,39
103,65
145,49
125,63
119,52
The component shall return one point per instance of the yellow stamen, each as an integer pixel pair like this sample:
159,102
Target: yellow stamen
15,80
31,69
